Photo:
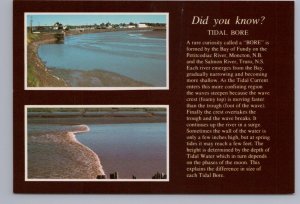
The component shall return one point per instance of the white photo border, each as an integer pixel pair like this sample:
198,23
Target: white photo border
96,88
96,106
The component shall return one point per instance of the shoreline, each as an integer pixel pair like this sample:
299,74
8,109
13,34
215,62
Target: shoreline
105,119
98,162
39,75
71,150
67,127
76,32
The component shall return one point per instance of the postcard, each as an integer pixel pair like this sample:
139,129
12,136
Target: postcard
153,97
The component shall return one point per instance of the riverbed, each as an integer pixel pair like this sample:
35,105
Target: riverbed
138,55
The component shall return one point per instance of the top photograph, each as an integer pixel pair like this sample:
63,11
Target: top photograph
96,51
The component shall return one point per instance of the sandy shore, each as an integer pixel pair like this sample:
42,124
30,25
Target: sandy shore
41,76
59,155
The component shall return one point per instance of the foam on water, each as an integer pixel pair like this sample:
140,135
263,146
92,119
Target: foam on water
55,153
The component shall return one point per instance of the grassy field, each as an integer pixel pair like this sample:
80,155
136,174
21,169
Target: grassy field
32,79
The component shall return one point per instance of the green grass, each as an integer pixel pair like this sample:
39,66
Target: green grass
32,37
32,80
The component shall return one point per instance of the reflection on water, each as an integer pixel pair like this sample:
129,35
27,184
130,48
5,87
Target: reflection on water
127,53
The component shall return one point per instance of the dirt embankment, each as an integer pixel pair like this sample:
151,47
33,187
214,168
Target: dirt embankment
37,73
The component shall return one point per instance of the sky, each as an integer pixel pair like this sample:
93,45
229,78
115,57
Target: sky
47,20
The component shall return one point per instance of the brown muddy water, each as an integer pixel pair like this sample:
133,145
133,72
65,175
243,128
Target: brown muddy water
138,149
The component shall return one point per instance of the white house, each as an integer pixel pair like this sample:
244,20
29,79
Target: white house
130,26
57,26
142,25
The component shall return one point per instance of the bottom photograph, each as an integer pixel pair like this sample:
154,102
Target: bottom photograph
96,143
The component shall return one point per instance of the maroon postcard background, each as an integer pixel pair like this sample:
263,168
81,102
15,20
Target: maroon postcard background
278,178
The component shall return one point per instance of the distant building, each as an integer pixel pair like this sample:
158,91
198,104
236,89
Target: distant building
142,25
130,26
57,26
79,29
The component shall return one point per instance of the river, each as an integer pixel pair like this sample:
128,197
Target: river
138,149
135,54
